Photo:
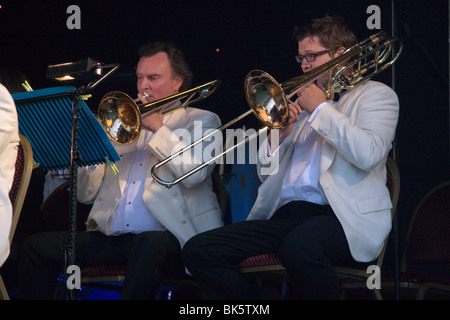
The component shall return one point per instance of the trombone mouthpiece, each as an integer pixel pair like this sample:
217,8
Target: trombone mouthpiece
144,94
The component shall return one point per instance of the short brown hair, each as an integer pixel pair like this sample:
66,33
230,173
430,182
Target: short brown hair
332,32
176,60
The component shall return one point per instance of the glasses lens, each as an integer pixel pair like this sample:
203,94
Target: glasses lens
310,57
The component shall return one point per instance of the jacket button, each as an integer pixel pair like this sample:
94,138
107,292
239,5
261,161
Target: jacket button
322,131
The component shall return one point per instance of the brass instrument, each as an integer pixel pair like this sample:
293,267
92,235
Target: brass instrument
120,115
269,100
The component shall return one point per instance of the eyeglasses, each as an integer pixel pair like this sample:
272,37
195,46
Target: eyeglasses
310,57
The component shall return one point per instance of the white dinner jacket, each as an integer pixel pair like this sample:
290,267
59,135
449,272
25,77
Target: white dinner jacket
357,137
187,208
9,142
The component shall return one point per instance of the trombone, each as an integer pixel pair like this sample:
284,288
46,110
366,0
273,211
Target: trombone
269,100
120,116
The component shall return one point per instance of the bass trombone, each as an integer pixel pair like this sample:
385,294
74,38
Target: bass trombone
269,100
120,115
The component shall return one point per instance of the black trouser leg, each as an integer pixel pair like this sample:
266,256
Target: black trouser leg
145,255
43,257
212,257
309,251
150,255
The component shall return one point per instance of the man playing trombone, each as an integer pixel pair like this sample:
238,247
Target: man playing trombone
135,221
326,201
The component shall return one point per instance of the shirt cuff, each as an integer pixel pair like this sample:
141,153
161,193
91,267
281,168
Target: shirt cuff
316,111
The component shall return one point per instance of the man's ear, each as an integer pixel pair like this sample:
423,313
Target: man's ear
178,81
339,51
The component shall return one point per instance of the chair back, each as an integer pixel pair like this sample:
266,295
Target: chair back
428,239
393,181
22,176
56,208
393,184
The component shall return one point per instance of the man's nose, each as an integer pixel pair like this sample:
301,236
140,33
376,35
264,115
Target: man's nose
145,84
306,65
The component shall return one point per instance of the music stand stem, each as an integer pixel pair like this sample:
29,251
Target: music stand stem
74,161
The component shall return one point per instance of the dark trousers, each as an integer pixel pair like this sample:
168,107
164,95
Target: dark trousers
308,237
147,257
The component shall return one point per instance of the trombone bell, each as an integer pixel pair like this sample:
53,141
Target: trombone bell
266,98
121,117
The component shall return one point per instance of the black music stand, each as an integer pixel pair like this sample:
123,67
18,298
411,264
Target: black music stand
64,133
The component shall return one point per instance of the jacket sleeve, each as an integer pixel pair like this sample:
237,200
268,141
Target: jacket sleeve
89,181
168,141
365,137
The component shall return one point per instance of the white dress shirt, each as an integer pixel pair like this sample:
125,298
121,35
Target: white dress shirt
301,182
132,215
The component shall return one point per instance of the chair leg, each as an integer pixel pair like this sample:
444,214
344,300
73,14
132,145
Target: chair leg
377,294
3,292
284,290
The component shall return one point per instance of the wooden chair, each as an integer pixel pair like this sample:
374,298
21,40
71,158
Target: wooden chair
22,176
268,266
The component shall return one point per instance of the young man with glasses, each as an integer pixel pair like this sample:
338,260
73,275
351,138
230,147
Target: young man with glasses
326,203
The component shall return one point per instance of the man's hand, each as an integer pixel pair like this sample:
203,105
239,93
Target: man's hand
310,97
294,111
153,121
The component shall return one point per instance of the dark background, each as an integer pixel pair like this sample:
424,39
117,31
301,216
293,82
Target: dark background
250,35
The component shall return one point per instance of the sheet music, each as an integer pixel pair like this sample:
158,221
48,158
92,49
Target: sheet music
45,118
